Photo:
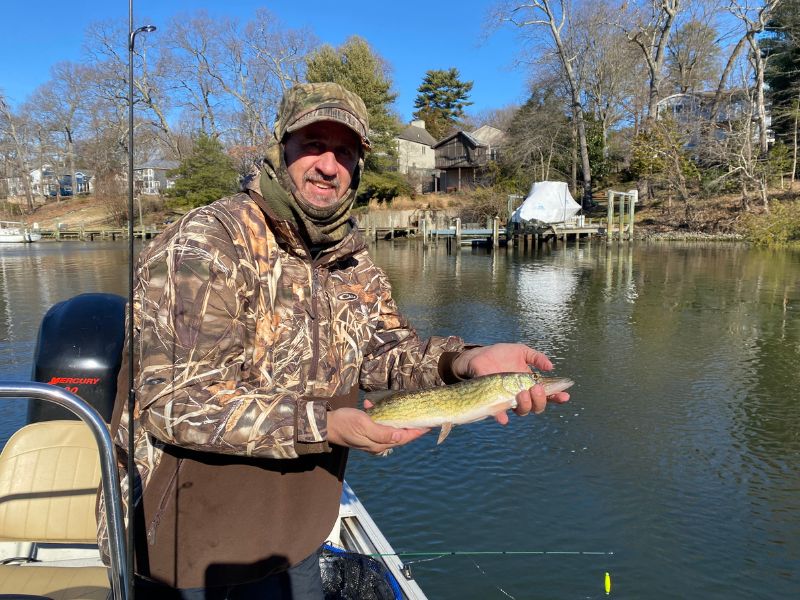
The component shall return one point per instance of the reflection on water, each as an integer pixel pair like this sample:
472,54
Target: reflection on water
678,452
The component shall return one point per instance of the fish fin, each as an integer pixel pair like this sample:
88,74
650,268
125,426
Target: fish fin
446,427
386,452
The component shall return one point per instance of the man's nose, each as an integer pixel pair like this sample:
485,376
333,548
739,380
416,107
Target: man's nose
327,164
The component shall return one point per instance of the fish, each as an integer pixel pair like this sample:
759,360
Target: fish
463,402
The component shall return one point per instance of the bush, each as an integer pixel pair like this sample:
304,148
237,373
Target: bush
485,203
776,229
383,187
206,175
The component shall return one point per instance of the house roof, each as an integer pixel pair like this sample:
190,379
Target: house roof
491,136
158,164
420,135
467,137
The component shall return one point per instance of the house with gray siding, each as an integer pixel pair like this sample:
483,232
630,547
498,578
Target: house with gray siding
415,155
152,179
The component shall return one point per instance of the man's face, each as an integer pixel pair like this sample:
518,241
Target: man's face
321,159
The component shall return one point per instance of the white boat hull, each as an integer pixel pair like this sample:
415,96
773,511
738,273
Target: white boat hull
12,232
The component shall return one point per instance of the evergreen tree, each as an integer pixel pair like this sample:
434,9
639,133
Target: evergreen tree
782,74
204,176
356,67
441,101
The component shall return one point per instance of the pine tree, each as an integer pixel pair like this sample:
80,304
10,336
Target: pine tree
204,176
441,101
782,74
356,67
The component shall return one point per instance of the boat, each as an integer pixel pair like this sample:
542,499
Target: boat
17,232
50,470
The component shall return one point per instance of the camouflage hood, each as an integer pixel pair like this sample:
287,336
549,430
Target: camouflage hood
303,105
308,103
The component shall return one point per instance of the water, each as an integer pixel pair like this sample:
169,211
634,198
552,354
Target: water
678,452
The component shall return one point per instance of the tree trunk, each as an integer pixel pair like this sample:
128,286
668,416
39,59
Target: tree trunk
761,111
71,163
574,151
586,197
794,140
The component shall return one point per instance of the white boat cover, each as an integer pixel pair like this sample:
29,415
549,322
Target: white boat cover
548,202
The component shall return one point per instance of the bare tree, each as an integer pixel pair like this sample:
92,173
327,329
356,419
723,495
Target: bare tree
539,143
648,25
10,127
610,67
107,51
553,16
755,14
190,51
59,105
692,55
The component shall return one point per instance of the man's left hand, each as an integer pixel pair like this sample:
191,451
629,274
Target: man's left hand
509,358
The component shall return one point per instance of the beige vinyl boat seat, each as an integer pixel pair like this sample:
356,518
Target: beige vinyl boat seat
49,474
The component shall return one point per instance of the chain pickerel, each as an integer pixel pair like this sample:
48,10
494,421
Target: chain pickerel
462,402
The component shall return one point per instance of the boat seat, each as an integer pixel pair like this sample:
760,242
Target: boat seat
49,475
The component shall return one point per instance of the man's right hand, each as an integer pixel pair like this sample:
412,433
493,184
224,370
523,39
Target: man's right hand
353,428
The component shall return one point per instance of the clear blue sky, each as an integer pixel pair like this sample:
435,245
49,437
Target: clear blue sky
412,35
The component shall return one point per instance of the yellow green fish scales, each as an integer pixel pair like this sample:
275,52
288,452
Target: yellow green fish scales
463,402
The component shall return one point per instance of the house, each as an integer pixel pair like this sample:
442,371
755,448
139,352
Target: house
492,137
151,178
415,149
462,157
692,110
45,182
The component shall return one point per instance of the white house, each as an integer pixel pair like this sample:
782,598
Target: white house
45,183
151,177
415,155
692,109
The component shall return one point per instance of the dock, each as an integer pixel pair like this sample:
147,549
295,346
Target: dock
497,235
92,234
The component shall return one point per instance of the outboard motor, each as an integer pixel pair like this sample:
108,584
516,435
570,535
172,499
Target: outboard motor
79,348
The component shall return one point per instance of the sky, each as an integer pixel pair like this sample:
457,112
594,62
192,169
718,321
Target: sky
412,35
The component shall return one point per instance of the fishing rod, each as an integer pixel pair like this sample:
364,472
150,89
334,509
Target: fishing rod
130,464
496,552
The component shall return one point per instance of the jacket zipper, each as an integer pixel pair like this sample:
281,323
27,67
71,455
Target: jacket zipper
162,505
312,372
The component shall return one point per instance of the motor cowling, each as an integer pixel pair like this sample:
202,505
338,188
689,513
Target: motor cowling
79,348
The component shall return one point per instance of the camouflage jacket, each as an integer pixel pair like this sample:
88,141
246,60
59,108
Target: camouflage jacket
240,325
241,335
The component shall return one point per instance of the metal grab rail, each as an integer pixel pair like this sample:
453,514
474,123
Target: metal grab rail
108,469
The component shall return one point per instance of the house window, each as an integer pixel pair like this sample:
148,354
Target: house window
150,184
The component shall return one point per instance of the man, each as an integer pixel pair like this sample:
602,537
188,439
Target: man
257,320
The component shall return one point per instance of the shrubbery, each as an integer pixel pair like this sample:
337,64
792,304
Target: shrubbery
778,228
383,187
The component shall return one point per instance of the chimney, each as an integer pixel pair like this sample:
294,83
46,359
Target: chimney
418,123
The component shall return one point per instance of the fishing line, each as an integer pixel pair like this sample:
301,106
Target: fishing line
497,553
477,566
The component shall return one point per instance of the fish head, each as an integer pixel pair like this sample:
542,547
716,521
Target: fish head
553,385
514,383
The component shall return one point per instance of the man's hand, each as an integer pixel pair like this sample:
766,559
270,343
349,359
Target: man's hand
353,428
509,358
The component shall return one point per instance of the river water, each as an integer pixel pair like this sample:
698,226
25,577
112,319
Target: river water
675,467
